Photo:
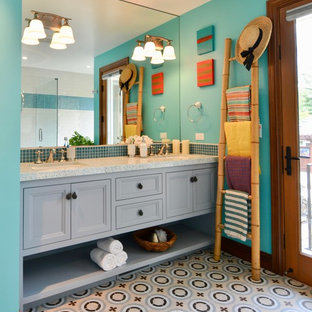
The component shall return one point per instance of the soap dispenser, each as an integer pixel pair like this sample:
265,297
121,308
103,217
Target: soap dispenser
143,148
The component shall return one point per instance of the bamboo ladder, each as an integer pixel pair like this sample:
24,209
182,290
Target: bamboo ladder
139,127
255,215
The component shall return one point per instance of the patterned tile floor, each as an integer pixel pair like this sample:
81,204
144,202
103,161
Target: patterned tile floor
191,283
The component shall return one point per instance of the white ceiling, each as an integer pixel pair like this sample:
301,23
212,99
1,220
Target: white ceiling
98,25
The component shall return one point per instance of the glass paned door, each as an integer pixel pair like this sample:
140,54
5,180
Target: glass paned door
304,74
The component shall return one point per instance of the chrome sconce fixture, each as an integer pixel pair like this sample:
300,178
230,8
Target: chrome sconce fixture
153,46
63,33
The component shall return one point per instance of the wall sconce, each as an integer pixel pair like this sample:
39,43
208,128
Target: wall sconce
153,46
63,33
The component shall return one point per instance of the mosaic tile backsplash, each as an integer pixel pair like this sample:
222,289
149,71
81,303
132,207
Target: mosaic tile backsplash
99,151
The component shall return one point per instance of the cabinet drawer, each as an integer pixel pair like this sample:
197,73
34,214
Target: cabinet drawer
135,214
139,186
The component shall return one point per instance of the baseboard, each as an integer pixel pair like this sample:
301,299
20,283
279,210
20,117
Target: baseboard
244,252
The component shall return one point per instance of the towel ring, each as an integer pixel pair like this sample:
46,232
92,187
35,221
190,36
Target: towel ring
162,109
198,106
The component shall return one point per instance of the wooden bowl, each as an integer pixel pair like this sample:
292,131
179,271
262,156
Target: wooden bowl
142,238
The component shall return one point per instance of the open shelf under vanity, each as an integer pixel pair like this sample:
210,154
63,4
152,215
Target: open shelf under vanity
69,270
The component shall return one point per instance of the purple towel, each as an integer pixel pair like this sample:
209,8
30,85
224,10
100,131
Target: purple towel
237,170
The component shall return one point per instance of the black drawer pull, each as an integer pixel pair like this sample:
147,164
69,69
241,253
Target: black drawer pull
195,179
74,195
140,186
140,212
68,196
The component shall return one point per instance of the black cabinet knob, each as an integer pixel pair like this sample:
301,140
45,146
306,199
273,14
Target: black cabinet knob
195,179
140,212
140,186
74,195
192,179
68,196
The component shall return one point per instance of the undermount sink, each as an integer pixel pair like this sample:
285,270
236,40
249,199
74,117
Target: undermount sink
57,166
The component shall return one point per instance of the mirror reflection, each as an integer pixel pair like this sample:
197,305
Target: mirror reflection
61,89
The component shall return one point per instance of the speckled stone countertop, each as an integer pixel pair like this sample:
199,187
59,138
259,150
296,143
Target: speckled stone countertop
31,171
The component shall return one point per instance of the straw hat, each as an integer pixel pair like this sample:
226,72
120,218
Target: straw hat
253,41
127,77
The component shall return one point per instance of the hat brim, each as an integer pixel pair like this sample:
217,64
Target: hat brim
131,82
265,24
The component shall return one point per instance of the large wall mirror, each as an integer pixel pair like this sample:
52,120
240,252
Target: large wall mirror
60,87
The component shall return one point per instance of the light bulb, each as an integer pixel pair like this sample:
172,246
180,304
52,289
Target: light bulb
138,53
56,44
169,53
36,28
149,49
66,35
29,38
157,58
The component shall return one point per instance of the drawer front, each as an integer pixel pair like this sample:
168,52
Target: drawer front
139,186
135,214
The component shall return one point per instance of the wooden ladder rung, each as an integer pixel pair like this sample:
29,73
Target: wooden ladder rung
231,59
224,191
222,226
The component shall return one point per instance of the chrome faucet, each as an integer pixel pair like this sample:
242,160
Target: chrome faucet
50,158
163,149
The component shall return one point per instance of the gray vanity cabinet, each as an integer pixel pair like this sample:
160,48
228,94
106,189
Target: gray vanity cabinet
57,213
46,215
190,191
179,193
90,208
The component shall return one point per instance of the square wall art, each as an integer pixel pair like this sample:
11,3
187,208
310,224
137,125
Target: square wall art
205,73
158,83
205,40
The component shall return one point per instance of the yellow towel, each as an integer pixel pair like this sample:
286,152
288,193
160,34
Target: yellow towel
130,130
238,138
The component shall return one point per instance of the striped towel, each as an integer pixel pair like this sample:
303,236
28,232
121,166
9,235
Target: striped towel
237,214
132,112
238,103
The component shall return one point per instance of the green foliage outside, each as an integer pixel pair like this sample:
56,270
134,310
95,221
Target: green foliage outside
77,139
305,96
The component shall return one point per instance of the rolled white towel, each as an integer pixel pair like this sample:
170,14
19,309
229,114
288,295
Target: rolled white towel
104,259
121,258
110,245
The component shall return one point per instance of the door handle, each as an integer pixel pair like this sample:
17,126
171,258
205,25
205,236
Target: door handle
289,158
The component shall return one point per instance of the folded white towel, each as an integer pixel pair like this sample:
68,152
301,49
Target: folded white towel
110,245
104,259
121,258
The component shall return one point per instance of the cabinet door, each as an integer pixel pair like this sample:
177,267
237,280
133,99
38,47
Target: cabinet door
90,208
179,193
46,215
204,189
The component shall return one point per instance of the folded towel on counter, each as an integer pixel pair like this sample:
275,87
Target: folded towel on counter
237,170
121,258
237,214
130,130
105,260
110,245
238,136
238,103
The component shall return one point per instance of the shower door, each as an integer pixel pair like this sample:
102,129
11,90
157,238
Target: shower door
39,116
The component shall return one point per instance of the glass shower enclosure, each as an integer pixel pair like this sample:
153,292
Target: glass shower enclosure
39,113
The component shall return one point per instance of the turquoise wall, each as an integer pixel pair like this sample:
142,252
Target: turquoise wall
10,105
170,97
229,18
